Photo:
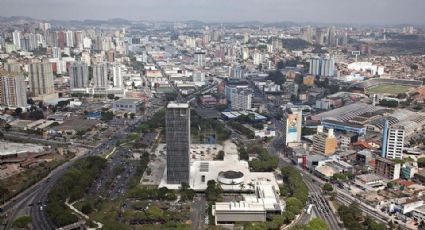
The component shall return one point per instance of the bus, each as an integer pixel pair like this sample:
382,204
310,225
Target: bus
310,206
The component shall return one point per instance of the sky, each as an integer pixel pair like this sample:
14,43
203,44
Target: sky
378,12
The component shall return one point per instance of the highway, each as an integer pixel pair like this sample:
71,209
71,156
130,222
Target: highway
321,206
32,201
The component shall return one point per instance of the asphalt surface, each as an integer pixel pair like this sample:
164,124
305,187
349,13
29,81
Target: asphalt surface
32,201
199,212
320,205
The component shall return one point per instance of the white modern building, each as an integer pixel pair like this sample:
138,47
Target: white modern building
395,143
366,67
16,37
117,76
128,104
241,100
254,207
293,126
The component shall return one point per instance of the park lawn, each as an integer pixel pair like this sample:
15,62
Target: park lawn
388,89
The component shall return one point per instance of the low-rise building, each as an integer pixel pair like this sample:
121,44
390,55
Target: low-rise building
255,207
387,168
128,104
370,182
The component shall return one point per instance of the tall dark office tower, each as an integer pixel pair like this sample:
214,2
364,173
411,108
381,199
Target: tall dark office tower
177,126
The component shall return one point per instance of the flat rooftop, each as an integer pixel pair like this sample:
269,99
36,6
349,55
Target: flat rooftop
175,105
201,171
9,148
128,101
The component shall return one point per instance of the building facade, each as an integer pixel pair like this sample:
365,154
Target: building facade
324,143
79,75
100,75
387,168
395,143
117,76
41,78
322,67
177,134
13,90
293,126
241,100
128,104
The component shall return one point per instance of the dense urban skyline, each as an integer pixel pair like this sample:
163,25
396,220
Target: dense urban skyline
327,11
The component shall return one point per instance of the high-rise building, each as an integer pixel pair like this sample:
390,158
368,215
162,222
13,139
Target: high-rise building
384,140
392,142
16,37
200,58
79,75
61,39
13,67
69,38
241,100
177,134
12,90
320,36
231,88
41,78
332,41
117,76
292,126
277,44
322,67
56,52
324,143
327,67
78,41
258,58
236,72
308,34
100,75
198,77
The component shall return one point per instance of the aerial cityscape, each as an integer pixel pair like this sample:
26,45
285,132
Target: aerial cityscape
212,114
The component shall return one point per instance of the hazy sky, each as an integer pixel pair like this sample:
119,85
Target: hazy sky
321,11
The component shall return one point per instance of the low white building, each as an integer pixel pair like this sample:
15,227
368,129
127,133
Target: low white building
128,104
254,207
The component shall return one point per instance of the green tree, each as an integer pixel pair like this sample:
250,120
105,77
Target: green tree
294,205
317,224
86,208
327,187
22,222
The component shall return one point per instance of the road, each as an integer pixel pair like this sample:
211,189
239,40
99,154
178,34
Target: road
198,213
32,201
321,206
